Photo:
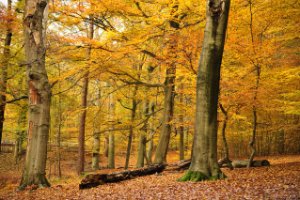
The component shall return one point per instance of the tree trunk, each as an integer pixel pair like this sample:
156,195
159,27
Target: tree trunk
4,67
142,141
58,135
204,157
96,133
254,107
111,150
169,95
130,136
93,180
39,95
181,127
21,133
141,151
111,134
106,141
81,136
225,159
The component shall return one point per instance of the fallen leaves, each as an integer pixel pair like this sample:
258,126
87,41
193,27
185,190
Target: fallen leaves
279,181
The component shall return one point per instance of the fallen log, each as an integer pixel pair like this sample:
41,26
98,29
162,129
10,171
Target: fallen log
93,180
255,163
183,165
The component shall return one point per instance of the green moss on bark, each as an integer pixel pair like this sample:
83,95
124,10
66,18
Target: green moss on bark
193,176
199,176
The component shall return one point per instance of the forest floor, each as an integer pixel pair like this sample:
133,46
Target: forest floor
279,181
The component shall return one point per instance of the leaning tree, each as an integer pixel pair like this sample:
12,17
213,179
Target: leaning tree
204,158
39,94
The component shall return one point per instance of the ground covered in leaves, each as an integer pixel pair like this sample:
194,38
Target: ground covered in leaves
279,181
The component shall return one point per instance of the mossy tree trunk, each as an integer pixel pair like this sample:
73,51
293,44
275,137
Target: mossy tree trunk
39,94
204,157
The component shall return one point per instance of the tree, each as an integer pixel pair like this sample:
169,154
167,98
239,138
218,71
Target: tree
4,67
204,157
81,136
169,90
39,94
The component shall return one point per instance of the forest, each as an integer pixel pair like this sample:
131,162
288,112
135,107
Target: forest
149,99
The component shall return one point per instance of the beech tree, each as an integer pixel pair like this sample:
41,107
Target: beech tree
204,157
4,67
39,94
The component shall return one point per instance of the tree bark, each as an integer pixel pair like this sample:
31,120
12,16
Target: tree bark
169,92
4,67
96,134
81,136
111,134
21,133
132,118
204,157
39,95
225,159
181,127
93,180
254,107
58,135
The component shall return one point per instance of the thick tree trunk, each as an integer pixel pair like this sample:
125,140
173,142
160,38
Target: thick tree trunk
204,157
81,136
93,180
4,67
39,95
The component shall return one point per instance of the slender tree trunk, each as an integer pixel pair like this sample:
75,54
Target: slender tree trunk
58,136
39,94
96,135
21,133
130,136
151,133
181,127
106,141
226,149
81,136
254,107
169,94
4,67
204,157
142,140
111,134
141,151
